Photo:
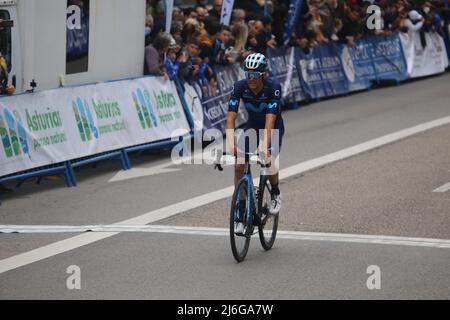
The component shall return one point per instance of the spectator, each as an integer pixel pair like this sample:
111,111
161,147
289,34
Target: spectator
154,54
212,26
175,64
238,16
280,16
254,28
205,76
5,87
201,41
240,35
190,13
159,19
202,13
178,15
266,36
190,30
216,10
205,54
221,50
414,22
176,28
252,7
328,14
148,25
352,25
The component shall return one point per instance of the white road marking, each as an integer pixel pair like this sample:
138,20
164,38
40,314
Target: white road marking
139,172
443,189
221,232
151,217
363,147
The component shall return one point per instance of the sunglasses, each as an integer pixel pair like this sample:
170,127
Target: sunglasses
254,74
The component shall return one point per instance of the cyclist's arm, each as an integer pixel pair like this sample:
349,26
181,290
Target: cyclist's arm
272,112
270,125
231,126
233,108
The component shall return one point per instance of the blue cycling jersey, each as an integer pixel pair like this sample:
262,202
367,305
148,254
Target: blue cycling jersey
267,101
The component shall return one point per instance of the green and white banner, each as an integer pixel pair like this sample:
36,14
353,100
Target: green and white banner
64,124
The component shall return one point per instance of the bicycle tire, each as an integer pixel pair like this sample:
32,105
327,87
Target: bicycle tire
269,223
239,252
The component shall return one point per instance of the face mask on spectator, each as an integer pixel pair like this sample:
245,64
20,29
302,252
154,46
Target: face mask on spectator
148,30
426,10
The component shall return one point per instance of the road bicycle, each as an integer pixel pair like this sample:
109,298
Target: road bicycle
250,206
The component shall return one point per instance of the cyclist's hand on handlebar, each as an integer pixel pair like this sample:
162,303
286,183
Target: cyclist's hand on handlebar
234,150
265,154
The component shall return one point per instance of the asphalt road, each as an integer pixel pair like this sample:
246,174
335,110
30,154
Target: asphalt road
387,191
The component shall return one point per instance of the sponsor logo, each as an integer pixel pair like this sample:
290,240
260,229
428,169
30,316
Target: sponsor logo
347,63
12,133
102,118
145,109
85,121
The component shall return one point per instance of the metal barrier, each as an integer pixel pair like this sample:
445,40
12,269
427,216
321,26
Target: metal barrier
66,169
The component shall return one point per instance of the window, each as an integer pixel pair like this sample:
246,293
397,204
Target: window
77,47
5,39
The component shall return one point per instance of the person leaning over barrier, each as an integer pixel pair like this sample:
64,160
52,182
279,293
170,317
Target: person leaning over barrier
154,55
5,87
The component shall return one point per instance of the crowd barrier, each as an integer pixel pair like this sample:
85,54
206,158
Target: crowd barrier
329,70
55,131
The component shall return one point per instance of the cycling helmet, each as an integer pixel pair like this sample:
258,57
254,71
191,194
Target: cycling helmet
255,62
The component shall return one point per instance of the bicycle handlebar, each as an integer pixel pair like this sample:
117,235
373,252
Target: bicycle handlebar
248,155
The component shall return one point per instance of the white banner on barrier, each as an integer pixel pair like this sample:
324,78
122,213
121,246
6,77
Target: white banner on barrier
424,61
65,124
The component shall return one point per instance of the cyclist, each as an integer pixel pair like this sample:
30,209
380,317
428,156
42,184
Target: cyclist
261,97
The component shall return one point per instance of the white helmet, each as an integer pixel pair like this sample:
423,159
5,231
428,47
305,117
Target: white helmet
255,62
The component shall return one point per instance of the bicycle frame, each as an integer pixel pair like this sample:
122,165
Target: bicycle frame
251,194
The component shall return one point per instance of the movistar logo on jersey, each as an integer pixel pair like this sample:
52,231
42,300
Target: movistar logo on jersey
262,107
234,102
85,121
273,105
13,133
144,108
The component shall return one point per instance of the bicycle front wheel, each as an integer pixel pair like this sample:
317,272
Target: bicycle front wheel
240,239
269,222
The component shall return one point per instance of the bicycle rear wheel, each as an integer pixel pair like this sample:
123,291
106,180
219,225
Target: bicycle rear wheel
269,222
239,242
